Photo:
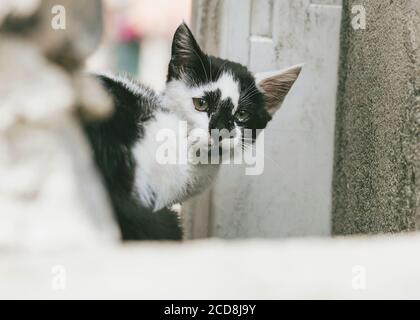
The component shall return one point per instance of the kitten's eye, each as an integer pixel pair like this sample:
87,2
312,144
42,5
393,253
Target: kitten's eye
200,104
242,116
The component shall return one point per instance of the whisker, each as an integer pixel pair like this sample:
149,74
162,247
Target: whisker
247,98
252,94
248,92
249,89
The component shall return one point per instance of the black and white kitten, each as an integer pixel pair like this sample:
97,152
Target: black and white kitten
205,92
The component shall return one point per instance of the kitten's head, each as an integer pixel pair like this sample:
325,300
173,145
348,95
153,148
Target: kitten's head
213,93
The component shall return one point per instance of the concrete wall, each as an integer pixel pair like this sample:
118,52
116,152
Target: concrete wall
377,158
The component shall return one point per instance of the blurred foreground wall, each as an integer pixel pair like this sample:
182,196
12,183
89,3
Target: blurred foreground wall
377,157
50,195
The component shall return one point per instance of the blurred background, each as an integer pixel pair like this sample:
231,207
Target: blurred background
137,38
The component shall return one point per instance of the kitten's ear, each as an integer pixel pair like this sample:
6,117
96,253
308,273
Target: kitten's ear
276,85
185,49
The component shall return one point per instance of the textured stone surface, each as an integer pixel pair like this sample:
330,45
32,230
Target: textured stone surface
377,165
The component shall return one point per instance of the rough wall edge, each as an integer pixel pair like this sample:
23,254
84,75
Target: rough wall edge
414,47
342,79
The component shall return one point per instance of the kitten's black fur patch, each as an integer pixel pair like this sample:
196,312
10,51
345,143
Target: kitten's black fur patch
112,140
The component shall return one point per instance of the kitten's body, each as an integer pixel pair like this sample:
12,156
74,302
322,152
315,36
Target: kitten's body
125,145
113,141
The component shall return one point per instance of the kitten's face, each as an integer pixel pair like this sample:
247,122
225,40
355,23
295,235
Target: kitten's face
220,97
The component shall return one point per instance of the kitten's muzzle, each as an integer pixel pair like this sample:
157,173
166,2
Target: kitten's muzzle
219,136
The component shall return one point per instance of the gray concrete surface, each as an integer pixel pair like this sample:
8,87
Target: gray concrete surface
377,159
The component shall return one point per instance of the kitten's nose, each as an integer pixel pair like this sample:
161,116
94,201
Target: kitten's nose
222,118
219,122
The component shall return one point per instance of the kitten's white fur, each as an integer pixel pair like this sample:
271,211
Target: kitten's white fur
160,185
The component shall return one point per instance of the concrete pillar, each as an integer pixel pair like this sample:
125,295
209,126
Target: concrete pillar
377,154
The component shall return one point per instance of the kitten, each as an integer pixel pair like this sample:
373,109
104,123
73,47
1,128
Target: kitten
203,91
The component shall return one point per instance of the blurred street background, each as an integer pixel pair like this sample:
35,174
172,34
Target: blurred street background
137,38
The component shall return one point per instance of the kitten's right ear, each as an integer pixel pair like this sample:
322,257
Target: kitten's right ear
186,52
276,85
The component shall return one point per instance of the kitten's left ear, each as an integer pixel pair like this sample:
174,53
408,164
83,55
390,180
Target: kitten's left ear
275,86
185,49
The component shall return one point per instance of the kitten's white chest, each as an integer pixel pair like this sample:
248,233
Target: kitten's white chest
157,182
